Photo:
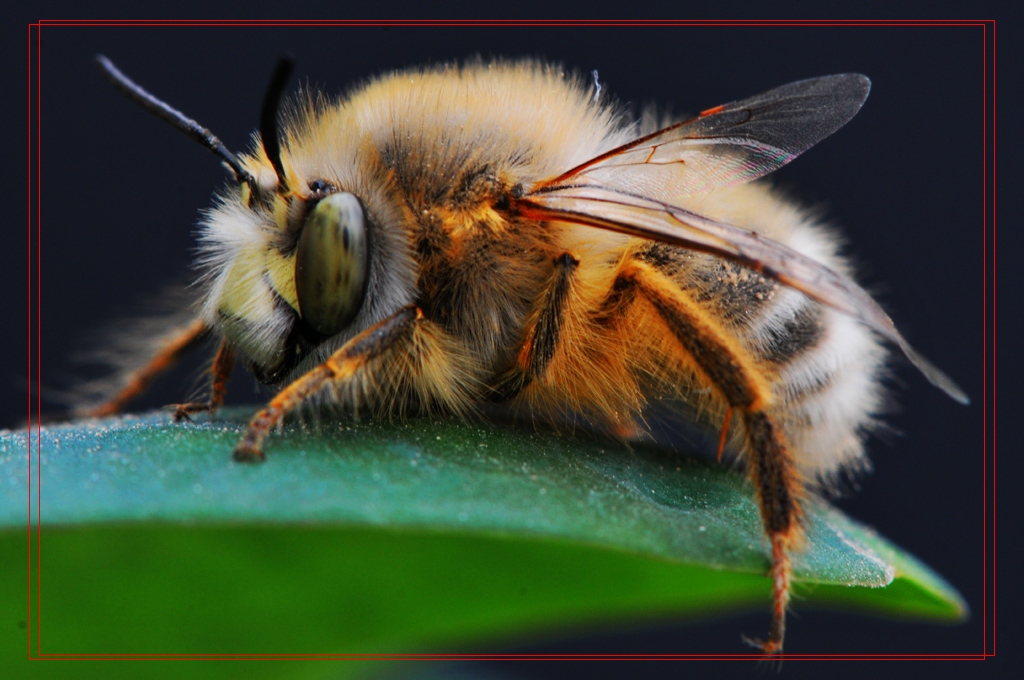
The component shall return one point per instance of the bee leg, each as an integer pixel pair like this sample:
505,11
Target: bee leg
405,355
734,377
220,373
770,466
725,433
185,339
354,355
541,338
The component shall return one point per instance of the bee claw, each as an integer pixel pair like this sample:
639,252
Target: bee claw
181,414
185,411
248,454
768,648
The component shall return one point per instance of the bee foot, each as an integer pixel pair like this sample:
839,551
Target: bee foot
185,411
249,454
768,648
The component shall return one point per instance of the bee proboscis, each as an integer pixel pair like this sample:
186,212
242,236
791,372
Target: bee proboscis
450,236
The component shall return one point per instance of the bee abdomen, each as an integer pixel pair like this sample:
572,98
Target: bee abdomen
793,334
827,387
830,395
823,367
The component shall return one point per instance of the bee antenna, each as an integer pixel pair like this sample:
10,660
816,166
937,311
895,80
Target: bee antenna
268,117
176,118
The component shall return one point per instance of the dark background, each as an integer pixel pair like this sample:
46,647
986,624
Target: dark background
121,193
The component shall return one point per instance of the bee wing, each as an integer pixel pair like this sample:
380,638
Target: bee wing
644,217
727,144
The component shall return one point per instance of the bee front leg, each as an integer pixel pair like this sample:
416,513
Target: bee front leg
721,363
183,340
343,364
220,373
405,356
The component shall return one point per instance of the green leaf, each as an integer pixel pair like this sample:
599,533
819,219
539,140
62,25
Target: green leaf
385,538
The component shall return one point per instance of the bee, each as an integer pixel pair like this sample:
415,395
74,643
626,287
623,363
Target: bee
448,237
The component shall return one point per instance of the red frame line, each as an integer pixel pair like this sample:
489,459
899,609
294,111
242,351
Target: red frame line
34,30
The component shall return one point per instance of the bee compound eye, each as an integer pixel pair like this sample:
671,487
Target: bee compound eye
331,263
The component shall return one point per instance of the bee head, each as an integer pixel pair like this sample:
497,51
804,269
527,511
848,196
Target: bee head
324,230
286,261
315,261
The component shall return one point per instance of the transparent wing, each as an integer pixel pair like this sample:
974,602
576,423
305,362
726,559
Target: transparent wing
649,218
727,144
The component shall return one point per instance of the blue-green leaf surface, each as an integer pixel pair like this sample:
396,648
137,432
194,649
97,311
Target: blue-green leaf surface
391,538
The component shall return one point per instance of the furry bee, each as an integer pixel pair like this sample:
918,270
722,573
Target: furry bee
495,232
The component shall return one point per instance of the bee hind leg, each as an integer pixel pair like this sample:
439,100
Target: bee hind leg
771,468
722,364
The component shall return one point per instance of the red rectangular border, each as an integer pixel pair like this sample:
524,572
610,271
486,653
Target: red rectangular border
34,306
